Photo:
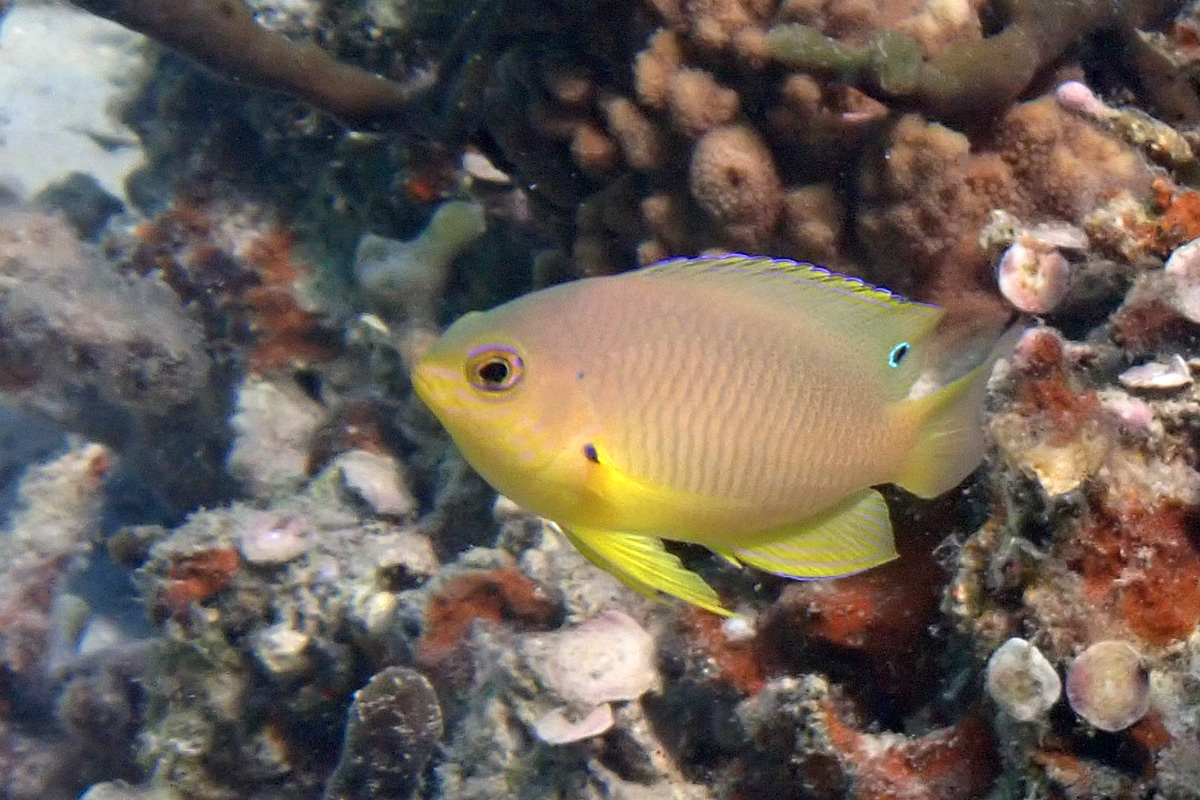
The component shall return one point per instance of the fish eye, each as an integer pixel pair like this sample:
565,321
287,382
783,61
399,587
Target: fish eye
494,369
898,353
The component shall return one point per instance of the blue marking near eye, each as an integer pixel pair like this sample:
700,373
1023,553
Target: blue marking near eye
898,353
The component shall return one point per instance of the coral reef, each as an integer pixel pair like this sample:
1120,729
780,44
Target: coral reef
412,275
825,755
338,607
54,526
966,78
218,585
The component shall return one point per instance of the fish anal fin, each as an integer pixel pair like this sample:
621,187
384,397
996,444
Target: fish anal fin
855,536
644,565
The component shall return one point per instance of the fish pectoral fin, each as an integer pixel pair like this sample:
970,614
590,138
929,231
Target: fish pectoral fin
644,565
855,536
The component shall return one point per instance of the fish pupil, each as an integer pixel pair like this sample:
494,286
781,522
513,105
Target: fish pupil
898,353
494,372
589,452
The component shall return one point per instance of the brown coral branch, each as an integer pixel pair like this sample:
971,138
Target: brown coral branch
223,36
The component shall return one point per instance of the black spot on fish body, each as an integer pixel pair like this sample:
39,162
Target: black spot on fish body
589,452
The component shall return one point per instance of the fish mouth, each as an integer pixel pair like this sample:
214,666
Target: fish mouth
437,385
426,378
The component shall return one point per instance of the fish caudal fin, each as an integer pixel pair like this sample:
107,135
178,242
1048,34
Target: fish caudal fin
857,535
644,565
951,443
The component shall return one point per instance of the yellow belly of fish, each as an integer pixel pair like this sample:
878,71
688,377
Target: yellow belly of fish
608,499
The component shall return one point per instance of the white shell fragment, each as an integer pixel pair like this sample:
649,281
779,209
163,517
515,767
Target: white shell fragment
273,539
1108,686
1022,681
556,727
281,650
378,480
1034,276
1129,412
1079,98
481,168
1184,261
609,657
1172,374
1183,268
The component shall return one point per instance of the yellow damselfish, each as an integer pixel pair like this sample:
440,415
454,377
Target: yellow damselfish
744,404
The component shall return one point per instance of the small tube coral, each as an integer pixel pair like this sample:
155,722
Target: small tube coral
641,141
654,68
698,103
411,274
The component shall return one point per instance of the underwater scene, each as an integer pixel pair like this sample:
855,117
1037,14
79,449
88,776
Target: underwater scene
600,399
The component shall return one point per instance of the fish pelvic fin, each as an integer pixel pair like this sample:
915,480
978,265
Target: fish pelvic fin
951,442
855,536
644,565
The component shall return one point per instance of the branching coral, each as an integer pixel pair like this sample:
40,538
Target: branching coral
967,79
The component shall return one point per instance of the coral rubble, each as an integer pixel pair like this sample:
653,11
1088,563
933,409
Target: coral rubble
112,355
395,723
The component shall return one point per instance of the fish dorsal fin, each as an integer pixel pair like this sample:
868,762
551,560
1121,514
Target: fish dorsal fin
838,302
